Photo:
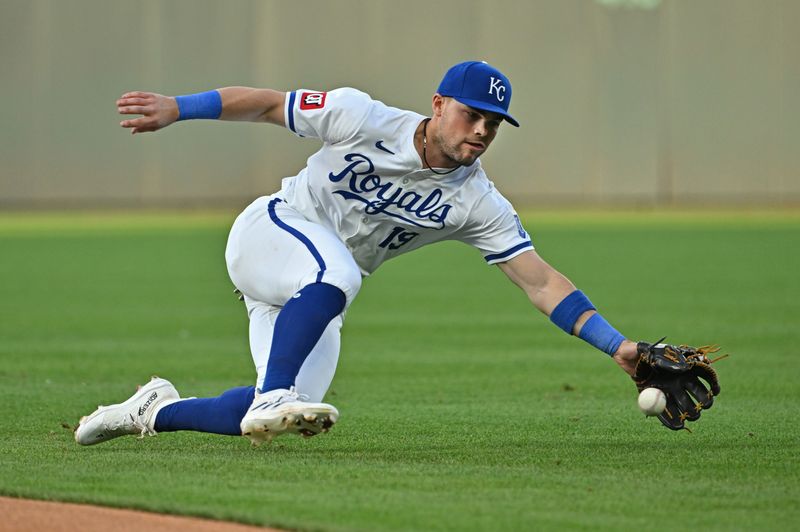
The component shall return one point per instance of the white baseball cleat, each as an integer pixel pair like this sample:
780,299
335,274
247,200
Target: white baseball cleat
134,416
285,411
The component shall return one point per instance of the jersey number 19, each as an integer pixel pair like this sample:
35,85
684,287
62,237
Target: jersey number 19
397,238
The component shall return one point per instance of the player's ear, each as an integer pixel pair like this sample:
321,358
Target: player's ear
437,104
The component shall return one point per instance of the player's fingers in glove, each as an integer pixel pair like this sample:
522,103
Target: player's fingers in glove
707,373
687,407
699,392
671,417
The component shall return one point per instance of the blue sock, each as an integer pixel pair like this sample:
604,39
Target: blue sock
218,415
299,326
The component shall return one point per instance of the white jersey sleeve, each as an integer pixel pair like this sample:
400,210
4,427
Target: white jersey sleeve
495,229
333,116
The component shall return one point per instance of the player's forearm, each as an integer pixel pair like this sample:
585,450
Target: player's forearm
548,297
568,308
252,105
556,292
553,288
544,285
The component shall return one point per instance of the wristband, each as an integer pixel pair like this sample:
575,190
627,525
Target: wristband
569,310
597,332
200,105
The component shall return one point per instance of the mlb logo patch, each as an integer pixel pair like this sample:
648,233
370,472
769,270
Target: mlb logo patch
312,100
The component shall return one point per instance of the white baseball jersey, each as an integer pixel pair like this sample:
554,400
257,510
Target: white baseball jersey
368,185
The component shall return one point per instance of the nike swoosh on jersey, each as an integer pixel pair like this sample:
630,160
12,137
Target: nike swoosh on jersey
381,147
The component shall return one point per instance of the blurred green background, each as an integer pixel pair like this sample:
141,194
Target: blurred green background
641,101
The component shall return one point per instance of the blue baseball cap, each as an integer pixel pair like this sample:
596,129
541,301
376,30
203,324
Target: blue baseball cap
479,85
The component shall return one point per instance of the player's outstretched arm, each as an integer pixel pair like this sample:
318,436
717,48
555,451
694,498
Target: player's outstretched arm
555,296
229,103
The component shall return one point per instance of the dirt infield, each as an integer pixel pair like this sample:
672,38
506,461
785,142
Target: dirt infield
22,515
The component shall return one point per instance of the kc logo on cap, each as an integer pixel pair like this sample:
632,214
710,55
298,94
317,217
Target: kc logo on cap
497,86
468,83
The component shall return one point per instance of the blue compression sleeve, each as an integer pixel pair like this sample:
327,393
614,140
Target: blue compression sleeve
217,415
569,310
201,105
600,334
299,326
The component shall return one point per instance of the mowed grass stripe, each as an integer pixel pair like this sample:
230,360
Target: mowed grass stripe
57,222
462,407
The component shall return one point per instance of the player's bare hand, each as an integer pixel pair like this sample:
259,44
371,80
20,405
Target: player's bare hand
158,111
627,356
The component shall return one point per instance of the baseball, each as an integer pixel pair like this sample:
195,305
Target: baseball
652,401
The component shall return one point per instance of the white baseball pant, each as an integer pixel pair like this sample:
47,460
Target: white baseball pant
273,252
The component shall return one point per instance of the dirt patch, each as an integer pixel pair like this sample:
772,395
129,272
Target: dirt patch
23,515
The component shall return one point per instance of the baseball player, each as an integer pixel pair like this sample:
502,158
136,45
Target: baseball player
386,181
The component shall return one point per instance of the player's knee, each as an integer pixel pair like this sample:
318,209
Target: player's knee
348,280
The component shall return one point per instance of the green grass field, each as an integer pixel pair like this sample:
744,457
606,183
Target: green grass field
461,407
